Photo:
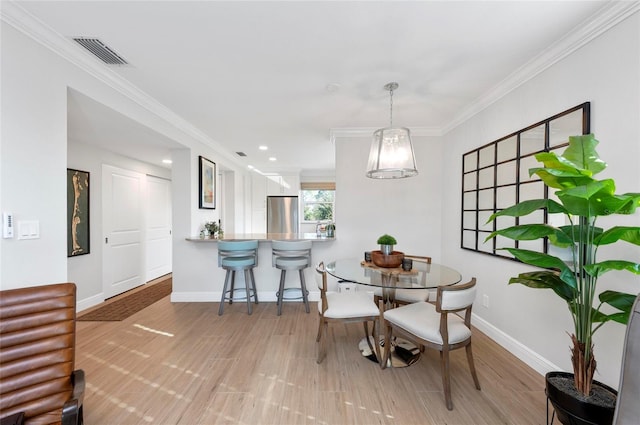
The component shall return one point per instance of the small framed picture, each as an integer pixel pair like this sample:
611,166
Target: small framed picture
207,184
77,213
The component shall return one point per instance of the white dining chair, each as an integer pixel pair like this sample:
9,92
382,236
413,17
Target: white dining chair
345,307
436,326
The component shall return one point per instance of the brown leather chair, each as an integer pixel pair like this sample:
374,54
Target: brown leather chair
37,355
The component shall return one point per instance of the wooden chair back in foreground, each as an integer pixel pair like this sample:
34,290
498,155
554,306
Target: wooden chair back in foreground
343,307
37,355
437,327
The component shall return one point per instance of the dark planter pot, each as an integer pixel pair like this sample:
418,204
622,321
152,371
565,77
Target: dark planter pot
571,410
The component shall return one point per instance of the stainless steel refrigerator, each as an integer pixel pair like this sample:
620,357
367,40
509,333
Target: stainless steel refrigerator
282,214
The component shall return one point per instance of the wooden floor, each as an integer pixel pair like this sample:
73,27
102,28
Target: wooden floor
183,364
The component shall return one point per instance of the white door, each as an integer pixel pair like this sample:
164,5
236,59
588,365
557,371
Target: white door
122,258
158,223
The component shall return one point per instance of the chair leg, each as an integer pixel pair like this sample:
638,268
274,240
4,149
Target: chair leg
283,274
371,336
322,343
446,380
253,284
247,287
233,286
472,367
224,292
319,329
305,293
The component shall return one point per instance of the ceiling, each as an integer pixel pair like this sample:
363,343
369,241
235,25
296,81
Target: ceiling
285,74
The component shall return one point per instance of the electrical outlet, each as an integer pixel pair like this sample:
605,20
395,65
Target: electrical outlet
485,301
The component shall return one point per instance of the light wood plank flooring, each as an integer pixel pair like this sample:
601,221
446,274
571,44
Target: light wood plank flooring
183,364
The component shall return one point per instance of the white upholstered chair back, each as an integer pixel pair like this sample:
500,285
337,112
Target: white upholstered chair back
457,297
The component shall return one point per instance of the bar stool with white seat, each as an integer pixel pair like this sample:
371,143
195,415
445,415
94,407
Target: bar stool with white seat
291,255
234,256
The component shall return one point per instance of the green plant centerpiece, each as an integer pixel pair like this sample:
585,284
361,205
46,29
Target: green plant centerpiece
582,200
386,243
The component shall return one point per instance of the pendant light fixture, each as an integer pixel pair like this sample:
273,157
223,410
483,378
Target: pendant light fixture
391,155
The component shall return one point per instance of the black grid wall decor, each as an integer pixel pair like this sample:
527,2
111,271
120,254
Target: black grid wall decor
496,176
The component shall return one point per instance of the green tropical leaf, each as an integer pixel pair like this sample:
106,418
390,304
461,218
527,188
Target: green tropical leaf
594,199
615,234
545,280
546,261
527,207
582,153
622,318
627,203
598,269
620,301
529,232
561,179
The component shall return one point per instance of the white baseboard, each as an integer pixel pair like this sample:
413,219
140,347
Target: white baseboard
522,352
89,302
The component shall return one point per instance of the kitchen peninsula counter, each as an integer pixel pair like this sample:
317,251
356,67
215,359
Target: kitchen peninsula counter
266,237
202,279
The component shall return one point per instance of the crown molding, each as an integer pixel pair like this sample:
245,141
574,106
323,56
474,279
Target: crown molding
604,19
13,14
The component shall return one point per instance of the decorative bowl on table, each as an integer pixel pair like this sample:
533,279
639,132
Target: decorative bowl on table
390,260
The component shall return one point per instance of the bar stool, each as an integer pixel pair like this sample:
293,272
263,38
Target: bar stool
236,256
291,255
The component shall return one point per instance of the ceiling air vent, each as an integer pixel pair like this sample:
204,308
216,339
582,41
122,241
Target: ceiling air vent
241,154
101,50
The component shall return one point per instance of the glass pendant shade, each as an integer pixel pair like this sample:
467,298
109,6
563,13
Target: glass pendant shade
391,155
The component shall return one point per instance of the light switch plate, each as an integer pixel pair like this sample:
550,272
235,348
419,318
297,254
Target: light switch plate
29,229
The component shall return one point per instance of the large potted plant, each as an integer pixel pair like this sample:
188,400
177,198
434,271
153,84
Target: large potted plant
582,200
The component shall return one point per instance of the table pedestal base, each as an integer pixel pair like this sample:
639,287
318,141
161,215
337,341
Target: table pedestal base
403,352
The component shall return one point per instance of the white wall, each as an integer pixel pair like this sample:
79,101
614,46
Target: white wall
605,72
34,157
33,164
86,270
409,209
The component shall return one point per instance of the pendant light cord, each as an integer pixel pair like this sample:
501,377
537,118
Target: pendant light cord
391,107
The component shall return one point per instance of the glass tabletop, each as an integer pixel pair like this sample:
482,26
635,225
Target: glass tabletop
422,275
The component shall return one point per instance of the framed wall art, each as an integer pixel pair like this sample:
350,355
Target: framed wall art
77,213
496,176
207,184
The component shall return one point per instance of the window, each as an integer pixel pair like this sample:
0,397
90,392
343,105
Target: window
318,201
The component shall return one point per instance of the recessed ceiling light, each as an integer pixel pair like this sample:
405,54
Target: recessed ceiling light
263,147
167,161
272,158
250,167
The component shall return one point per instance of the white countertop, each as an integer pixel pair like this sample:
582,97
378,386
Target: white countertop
265,237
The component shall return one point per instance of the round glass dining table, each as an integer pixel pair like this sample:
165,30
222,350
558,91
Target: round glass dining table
423,275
